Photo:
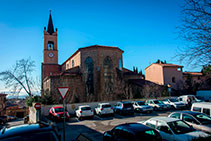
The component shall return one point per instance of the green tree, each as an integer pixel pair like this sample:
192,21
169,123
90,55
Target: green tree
48,99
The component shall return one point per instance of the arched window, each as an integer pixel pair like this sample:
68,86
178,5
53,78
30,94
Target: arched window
89,77
108,75
120,63
73,63
50,45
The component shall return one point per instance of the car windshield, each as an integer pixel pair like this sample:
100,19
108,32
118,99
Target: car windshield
106,106
173,100
180,127
158,102
126,105
204,119
57,110
148,135
85,108
141,103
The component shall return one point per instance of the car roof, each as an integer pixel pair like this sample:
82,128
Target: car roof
55,107
124,102
139,101
84,106
166,119
188,112
24,129
134,127
206,104
186,95
104,104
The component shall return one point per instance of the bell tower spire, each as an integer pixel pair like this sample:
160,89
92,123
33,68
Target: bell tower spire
50,29
50,52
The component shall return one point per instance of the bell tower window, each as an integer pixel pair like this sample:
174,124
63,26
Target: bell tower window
50,45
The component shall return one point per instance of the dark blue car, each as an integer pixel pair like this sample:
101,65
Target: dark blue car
124,107
132,132
29,132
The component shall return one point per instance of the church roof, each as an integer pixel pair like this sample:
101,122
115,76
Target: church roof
165,65
50,29
91,47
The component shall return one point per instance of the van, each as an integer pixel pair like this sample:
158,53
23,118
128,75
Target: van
204,95
185,98
202,107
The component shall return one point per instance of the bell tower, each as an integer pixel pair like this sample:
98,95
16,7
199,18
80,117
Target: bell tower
50,52
50,64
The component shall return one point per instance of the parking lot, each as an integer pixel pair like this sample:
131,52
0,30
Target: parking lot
94,128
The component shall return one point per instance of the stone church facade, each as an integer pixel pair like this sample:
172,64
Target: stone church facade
93,73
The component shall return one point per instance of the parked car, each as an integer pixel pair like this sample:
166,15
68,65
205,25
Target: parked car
141,106
174,103
10,118
174,129
84,111
185,98
57,113
29,132
124,107
198,120
3,120
131,132
202,107
158,104
104,109
204,95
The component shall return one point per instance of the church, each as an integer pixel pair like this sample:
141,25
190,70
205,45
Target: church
93,73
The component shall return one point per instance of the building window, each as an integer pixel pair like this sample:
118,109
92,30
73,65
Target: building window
173,80
72,63
179,69
50,45
67,66
108,75
120,63
89,76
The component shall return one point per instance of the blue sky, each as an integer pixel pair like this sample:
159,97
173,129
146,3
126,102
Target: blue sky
144,29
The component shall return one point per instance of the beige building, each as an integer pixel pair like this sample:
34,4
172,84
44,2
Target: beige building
2,104
165,74
197,77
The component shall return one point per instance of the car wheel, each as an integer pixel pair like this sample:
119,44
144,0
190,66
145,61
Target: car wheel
100,114
120,112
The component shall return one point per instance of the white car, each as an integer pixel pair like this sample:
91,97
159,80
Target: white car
175,103
157,104
174,129
198,120
104,109
84,111
140,106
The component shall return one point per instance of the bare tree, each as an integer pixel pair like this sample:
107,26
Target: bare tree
196,30
19,77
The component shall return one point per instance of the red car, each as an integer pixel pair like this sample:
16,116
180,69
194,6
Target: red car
56,113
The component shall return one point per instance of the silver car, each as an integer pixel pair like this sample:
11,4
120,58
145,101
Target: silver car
172,129
198,120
